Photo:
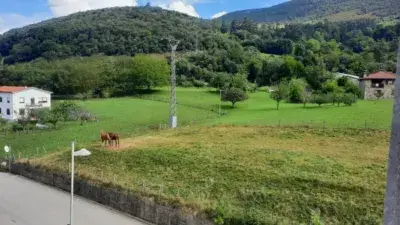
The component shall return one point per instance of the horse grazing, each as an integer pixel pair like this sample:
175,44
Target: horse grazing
114,137
105,137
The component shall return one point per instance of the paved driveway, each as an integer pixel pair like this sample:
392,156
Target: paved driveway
25,202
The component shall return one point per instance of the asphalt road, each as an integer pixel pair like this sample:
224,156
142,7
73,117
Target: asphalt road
25,202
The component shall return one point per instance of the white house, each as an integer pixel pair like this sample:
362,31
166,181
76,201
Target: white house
15,101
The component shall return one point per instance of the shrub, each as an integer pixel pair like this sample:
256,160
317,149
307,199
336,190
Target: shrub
16,127
187,84
320,99
234,95
200,84
349,99
297,89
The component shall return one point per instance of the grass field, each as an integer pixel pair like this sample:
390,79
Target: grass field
261,110
126,115
251,174
123,115
237,168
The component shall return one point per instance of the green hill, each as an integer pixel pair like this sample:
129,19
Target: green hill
111,31
321,9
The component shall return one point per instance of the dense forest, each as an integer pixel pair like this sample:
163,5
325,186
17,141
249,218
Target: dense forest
320,9
91,52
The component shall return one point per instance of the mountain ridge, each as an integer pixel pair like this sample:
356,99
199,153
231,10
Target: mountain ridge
298,10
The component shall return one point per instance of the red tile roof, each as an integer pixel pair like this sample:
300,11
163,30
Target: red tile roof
11,89
381,75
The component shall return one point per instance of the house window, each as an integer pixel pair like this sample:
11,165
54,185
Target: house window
390,82
0,111
43,100
8,112
32,101
8,100
1,99
21,100
22,112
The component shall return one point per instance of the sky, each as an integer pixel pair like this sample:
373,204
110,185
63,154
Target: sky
18,13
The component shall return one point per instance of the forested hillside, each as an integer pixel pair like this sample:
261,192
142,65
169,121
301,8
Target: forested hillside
112,31
321,9
62,54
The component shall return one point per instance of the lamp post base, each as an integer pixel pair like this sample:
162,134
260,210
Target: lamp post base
173,122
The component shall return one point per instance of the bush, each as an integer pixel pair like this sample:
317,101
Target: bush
320,99
297,89
349,99
16,127
234,95
200,84
187,84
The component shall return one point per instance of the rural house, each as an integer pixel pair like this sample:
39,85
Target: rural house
15,102
378,84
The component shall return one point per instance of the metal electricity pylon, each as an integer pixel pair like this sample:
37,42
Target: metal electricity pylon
173,119
392,198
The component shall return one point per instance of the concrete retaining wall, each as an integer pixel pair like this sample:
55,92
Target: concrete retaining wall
118,200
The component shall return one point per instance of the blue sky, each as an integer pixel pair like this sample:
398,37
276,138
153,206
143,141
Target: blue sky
17,13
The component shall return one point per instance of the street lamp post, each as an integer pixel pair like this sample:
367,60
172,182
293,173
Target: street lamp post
82,152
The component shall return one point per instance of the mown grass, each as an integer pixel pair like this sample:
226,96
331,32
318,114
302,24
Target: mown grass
251,175
127,116
261,110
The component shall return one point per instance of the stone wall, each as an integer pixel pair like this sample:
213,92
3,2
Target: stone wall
369,92
119,200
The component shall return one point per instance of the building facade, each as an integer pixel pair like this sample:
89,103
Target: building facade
17,102
378,85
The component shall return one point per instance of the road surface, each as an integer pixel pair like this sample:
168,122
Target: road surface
25,202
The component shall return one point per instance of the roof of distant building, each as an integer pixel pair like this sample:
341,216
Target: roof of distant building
347,75
14,89
11,89
381,76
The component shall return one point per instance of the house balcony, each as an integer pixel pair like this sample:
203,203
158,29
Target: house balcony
33,106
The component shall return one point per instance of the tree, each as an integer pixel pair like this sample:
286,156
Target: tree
221,81
349,99
234,95
297,91
320,99
150,71
63,110
280,92
53,117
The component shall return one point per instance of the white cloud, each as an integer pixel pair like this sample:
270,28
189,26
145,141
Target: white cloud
217,15
180,6
13,20
65,7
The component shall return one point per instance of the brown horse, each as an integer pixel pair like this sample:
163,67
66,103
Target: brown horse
105,137
114,137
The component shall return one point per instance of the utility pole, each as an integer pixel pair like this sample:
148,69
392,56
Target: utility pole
392,198
173,120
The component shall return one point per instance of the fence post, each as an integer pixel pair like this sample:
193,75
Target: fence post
366,126
37,151
279,125
323,125
19,155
